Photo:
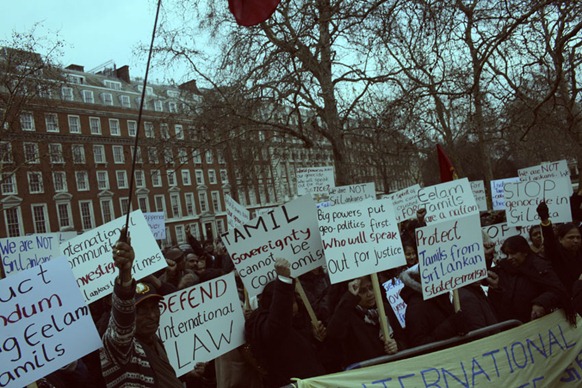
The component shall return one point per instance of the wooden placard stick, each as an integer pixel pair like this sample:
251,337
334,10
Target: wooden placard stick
303,296
456,300
380,305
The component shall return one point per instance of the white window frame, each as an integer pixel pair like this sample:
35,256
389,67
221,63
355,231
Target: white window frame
190,203
139,179
19,224
60,218
28,158
179,131
176,205
199,175
39,189
45,227
67,94
118,154
88,97
114,128
171,178
78,154
125,101
82,184
7,155
56,153
8,185
123,175
107,99
186,179
216,203
109,204
74,122
131,128
63,181
156,177
99,150
212,177
102,177
95,129
27,121
51,121
89,218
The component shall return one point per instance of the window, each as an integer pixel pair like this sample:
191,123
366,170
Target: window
220,227
102,180
5,152
158,106
60,181
9,183
171,178
216,201
180,236
31,155
190,204
186,181
139,178
118,157
252,198
125,101
121,179
124,203
138,158
131,128
86,209
149,90
114,127
112,84
220,156
156,178
209,158
52,122
142,202
172,107
179,131
164,131
168,156
74,124
56,153
99,154
175,204
75,79
40,219
13,222
160,203
203,202
196,156
107,210
88,97
173,93
64,215
95,125
107,98
67,94
223,176
78,153
212,177
183,156
199,177
82,181
149,129
35,183
153,155
26,121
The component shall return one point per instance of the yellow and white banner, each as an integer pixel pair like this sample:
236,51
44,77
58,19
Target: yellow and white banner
543,353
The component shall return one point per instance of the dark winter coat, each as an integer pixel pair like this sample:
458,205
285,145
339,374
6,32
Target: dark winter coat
478,313
566,265
577,296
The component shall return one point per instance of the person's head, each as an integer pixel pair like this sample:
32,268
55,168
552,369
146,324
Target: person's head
147,310
191,262
516,248
569,236
410,254
366,293
176,255
535,235
209,247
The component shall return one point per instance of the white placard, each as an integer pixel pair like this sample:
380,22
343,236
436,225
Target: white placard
497,192
352,193
499,233
523,197
45,323
157,224
447,200
236,214
91,259
200,323
405,202
289,231
450,255
478,188
315,180
392,288
22,253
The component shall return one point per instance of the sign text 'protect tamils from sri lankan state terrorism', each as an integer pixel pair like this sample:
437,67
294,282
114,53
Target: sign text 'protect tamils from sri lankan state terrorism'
288,231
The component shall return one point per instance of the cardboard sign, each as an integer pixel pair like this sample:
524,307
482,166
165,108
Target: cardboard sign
288,231
45,324
236,214
450,255
64,236
91,259
315,180
557,169
405,202
523,197
22,253
498,193
392,288
499,233
478,188
352,193
360,239
200,323
157,223
447,200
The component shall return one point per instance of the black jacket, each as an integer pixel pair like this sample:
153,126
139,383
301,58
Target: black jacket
577,296
478,313
567,266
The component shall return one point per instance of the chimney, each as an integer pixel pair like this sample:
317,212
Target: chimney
76,67
123,73
190,86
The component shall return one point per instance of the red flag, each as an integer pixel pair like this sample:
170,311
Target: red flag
252,12
448,172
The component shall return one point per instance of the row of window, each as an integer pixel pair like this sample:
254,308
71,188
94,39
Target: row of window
41,220
125,101
36,186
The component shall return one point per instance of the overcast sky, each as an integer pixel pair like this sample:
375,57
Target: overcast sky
94,32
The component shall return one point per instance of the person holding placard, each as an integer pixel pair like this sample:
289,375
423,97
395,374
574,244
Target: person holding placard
577,295
354,327
132,353
537,241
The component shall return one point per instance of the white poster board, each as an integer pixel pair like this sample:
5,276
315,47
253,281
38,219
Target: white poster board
157,224
405,202
478,188
202,322
236,214
289,231
450,255
392,288
498,193
447,200
523,197
22,253
45,323
315,180
545,170
352,193
91,259
499,233
360,239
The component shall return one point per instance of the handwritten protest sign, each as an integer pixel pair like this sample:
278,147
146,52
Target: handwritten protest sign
43,318
64,236
499,233
360,239
447,200
523,197
236,214
352,193
157,223
478,188
21,253
392,288
90,255
545,170
498,193
450,255
288,231
263,211
405,202
315,180
202,322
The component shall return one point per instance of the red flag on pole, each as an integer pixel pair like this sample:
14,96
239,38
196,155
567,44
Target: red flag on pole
252,12
447,169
